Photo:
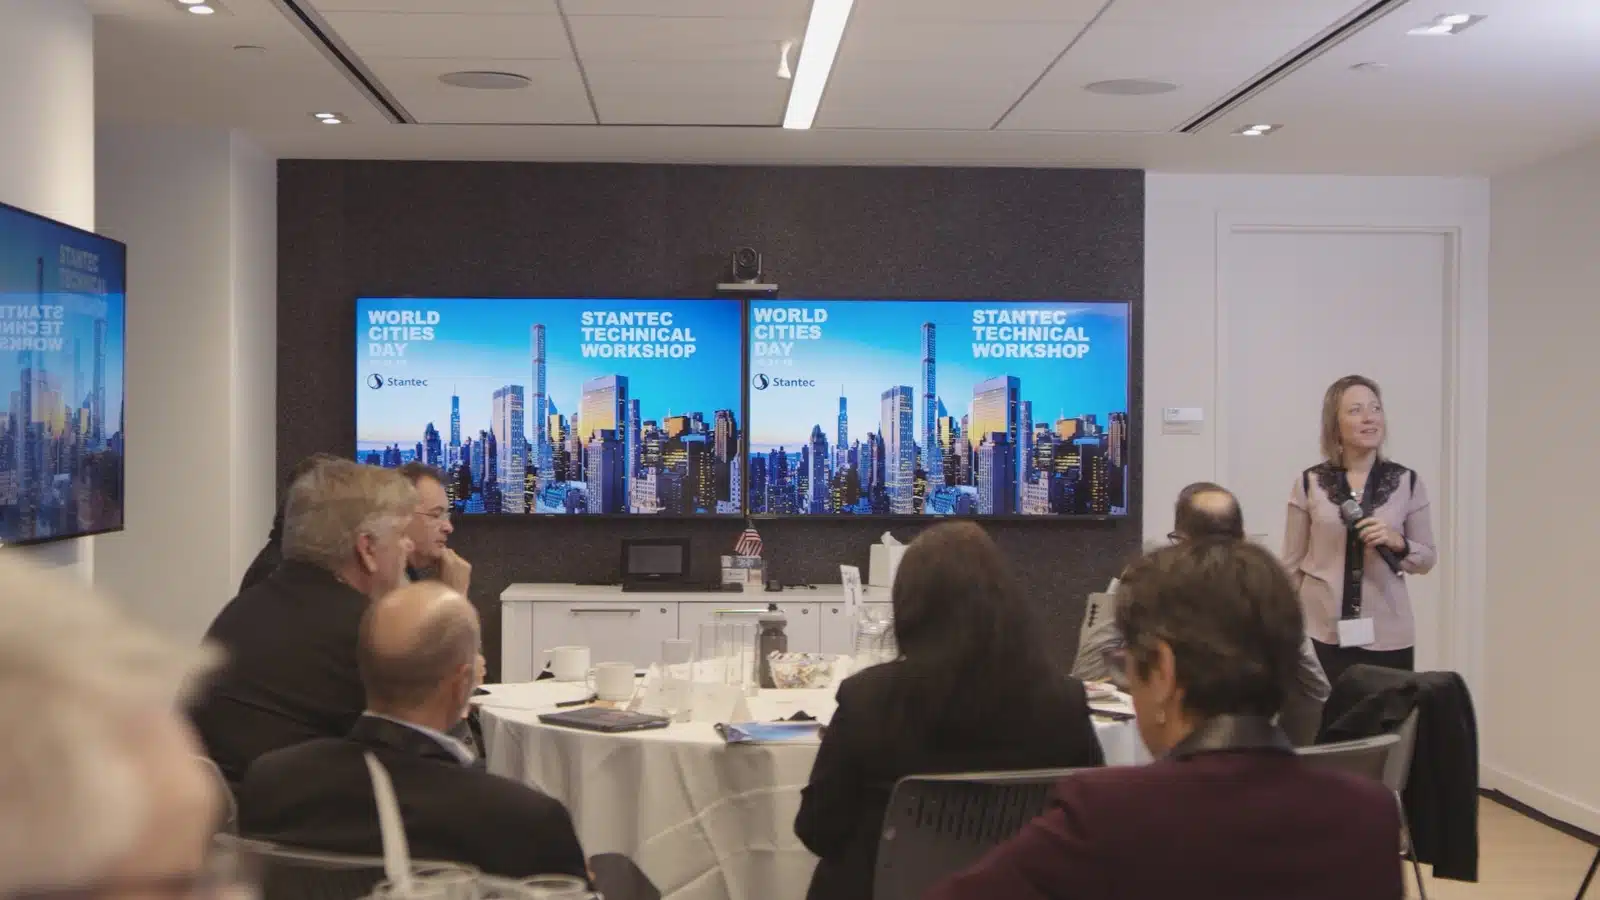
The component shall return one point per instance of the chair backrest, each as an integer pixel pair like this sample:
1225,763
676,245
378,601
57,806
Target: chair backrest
937,825
1367,757
1398,771
292,874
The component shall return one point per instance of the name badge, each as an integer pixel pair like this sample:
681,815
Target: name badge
1356,632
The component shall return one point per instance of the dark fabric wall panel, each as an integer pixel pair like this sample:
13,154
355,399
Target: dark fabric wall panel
353,228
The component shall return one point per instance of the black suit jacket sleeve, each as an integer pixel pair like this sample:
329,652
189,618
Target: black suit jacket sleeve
830,807
534,838
1084,737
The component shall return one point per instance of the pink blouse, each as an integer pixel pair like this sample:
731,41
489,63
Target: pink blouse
1314,551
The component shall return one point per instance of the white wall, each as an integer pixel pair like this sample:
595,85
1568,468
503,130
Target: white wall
47,141
1194,225
197,209
1544,490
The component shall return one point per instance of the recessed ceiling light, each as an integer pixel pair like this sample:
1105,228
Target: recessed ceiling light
1256,130
249,48
1446,24
201,9
824,31
331,121
1369,67
329,118
486,81
1130,87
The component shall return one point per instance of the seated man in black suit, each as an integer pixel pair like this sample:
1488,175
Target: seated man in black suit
418,651
290,641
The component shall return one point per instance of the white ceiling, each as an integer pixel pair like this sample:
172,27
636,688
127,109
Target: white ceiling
938,82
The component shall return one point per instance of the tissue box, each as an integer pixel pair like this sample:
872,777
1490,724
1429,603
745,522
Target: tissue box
885,561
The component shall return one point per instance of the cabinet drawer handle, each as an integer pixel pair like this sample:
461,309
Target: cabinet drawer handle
588,610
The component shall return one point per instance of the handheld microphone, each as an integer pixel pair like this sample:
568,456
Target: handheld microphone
1351,512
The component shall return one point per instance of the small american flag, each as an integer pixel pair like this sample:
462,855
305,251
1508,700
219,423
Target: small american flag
749,542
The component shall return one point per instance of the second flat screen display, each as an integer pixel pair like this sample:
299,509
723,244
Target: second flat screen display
930,408
557,406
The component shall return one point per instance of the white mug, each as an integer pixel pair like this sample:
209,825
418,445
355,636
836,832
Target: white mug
613,682
569,663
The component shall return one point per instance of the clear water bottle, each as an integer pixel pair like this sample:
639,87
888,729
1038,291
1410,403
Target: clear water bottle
771,639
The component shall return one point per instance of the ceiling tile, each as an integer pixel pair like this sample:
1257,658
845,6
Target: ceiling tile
451,35
977,10
683,38
465,7
555,97
1034,43
1313,15
728,9
667,92
921,95
1207,62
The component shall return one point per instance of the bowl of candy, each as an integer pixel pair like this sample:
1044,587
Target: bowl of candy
801,670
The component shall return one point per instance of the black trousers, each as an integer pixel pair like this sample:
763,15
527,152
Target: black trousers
1336,659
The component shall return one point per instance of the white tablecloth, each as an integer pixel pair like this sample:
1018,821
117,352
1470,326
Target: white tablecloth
704,820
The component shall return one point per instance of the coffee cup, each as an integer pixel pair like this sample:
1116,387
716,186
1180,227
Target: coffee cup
613,682
569,663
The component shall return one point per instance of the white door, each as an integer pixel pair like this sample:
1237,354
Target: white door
1300,309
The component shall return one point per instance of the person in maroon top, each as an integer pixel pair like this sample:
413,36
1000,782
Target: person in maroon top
1227,810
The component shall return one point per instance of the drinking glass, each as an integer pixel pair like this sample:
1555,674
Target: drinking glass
432,883
557,887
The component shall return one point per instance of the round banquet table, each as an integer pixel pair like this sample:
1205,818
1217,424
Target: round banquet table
704,820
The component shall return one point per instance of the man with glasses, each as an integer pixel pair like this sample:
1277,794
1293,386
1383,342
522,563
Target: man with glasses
104,795
430,531
1206,510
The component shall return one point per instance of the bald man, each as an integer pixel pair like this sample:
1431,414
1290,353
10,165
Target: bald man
1210,511
418,656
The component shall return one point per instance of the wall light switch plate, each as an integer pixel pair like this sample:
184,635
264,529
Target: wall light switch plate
1182,419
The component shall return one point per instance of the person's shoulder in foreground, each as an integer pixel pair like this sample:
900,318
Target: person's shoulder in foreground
1233,826
318,796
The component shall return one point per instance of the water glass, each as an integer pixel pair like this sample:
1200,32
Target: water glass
432,883
557,887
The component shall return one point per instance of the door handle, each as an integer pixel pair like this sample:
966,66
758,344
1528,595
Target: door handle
598,611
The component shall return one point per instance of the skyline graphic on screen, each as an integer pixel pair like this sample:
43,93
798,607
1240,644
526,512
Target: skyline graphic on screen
894,407
557,406
62,309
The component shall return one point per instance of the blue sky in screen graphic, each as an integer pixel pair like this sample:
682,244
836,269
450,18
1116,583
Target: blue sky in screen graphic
870,346
481,345
24,240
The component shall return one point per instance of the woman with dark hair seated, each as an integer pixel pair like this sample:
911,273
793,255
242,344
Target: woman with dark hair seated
1227,810
974,690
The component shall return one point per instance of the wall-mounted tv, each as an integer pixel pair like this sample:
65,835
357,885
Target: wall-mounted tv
558,406
938,408
62,303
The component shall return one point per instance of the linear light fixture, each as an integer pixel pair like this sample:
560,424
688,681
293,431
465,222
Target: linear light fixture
824,31
1446,25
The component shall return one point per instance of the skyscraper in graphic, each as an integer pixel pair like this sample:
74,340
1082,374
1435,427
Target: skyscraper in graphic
97,429
430,445
932,457
842,447
509,443
897,424
455,428
541,401
817,493
996,475
724,437
606,461
634,448
1024,449
997,410
603,406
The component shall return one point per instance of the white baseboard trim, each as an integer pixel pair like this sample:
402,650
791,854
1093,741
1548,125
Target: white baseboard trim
1555,805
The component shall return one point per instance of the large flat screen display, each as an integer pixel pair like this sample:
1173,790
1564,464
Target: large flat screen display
938,408
557,406
62,298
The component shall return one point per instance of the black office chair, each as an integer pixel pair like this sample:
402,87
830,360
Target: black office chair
937,825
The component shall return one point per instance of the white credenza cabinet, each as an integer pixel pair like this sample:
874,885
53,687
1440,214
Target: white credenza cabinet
629,627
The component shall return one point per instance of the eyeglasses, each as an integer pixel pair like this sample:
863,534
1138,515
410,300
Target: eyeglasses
438,515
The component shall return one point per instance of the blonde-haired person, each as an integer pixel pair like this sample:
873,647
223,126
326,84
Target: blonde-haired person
103,793
291,640
1356,607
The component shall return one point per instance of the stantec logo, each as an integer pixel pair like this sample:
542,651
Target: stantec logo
378,381
762,382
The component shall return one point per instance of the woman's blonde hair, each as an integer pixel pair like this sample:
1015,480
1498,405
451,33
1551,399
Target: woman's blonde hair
1331,449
